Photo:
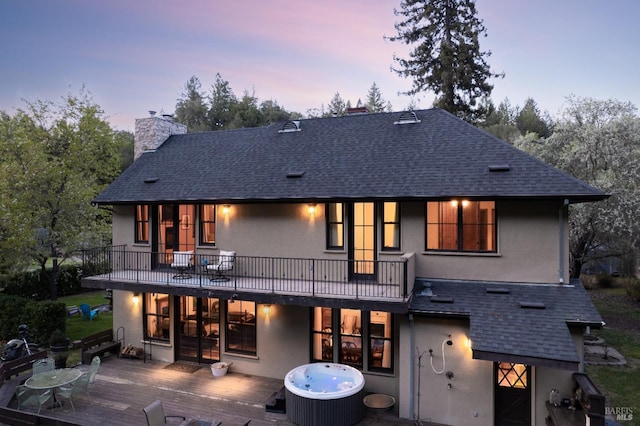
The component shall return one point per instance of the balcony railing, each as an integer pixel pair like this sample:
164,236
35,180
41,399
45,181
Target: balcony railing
381,279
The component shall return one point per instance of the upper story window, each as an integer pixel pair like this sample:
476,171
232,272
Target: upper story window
464,225
142,224
335,226
208,224
391,225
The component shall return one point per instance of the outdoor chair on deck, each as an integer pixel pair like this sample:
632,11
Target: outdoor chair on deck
87,312
81,385
182,263
28,397
42,365
225,263
155,414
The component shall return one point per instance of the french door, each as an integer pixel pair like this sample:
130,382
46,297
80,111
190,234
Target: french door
362,241
175,231
198,329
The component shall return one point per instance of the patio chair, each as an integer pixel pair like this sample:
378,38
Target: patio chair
83,382
66,392
87,312
42,365
155,414
225,263
182,263
28,397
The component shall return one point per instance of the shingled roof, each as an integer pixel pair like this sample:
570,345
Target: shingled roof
513,322
365,156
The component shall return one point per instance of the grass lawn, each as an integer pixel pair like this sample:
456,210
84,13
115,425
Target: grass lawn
620,385
77,326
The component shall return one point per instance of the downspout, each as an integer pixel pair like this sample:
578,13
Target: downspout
411,367
561,240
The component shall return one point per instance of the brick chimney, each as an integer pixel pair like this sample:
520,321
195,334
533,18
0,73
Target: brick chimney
152,131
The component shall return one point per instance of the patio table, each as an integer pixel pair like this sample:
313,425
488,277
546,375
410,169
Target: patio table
53,379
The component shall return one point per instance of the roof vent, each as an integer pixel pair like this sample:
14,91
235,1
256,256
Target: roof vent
294,175
407,117
441,299
532,305
290,126
497,290
499,167
151,180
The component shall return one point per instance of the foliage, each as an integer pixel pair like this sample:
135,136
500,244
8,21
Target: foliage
632,286
41,317
191,108
34,284
509,122
222,109
54,160
58,338
124,142
599,143
375,101
604,280
337,106
446,56
530,120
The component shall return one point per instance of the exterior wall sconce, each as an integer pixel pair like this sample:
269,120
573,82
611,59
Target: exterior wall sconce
225,210
136,298
312,209
266,309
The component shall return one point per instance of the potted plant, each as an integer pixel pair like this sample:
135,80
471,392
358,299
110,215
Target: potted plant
59,344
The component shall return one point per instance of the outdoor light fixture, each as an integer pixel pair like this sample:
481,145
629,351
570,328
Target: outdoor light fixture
225,209
312,209
136,298
266,309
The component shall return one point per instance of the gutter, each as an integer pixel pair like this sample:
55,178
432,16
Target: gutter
411,367
561,241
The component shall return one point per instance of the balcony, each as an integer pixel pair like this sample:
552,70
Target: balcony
311,282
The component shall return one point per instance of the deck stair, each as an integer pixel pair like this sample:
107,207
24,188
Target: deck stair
276,402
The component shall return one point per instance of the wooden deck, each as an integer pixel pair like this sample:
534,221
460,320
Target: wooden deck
124,387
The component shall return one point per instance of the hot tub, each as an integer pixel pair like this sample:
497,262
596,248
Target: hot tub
323,393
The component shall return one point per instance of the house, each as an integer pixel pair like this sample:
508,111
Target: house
413,246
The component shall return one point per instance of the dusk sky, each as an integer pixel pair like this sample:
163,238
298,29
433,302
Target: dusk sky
135,56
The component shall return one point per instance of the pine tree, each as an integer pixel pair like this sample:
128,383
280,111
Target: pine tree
375,101
191,108
446,56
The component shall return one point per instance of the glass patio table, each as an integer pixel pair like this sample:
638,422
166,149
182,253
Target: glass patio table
53,379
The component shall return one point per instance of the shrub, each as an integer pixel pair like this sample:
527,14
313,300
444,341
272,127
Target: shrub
41,317
604,280
589,281
632,285
35,284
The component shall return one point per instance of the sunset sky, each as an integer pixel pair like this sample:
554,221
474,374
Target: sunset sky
135,55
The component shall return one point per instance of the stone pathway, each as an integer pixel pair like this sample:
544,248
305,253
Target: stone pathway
596,352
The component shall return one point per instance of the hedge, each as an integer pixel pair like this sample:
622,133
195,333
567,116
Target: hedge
41,317
35,284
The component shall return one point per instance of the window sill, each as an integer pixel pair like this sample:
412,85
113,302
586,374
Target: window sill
156,343
245,356
378,373
335,251
141,244
390,252
460,253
